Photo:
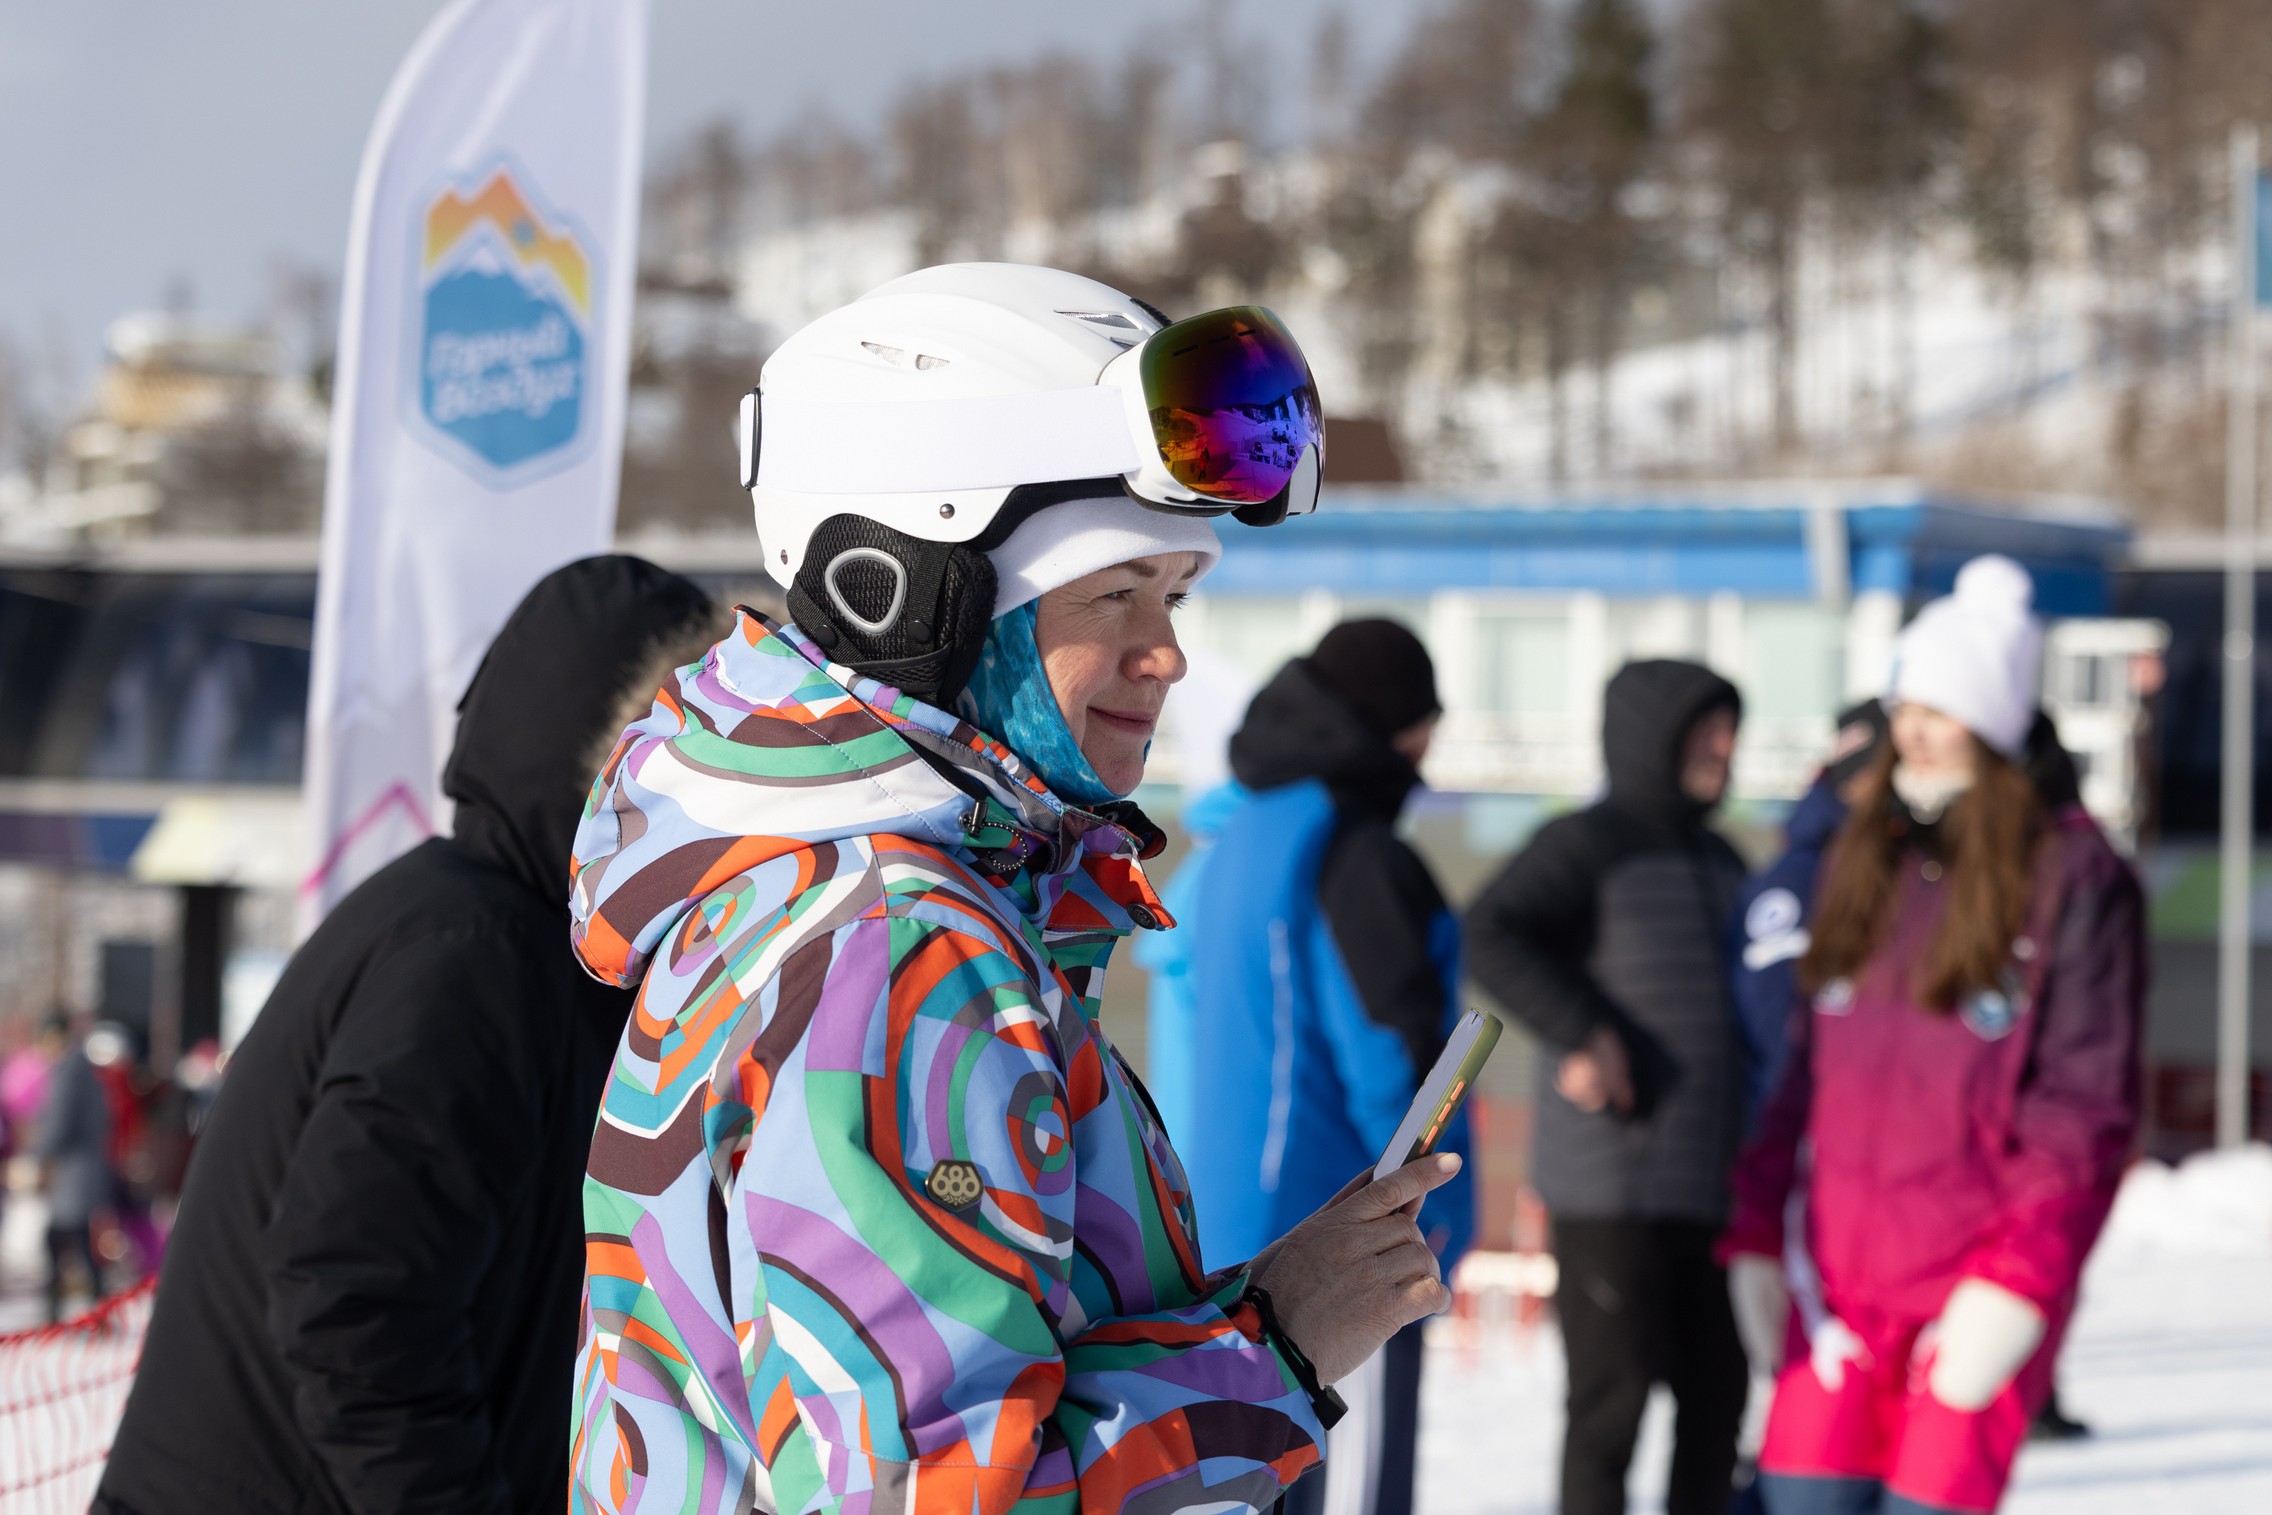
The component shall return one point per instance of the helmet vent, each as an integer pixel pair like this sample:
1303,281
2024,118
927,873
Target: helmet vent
888,354
926,362
1106,318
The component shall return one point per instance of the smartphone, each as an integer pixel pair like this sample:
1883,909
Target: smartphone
1442,1092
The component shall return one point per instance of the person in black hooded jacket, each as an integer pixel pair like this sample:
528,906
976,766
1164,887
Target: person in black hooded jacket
369,1300
1605,936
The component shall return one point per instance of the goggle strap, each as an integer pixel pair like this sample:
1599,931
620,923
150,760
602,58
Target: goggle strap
1026,501
914,446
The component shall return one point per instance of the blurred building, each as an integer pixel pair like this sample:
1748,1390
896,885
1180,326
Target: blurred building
1793,590
153,705
157,596
193,428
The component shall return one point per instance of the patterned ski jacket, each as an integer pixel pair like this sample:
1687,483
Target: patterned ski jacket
878,1219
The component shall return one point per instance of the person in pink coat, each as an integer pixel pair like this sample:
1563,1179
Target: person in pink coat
1912,1217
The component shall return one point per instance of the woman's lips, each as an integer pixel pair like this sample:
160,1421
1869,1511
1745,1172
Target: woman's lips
1134,723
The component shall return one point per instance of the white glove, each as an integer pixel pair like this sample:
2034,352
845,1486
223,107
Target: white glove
1763,1309
1831,1345
1985,1335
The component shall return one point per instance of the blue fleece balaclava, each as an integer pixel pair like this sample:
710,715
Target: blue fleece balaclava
1009,697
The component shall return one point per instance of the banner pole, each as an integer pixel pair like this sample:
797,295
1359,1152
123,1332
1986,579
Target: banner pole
2239,765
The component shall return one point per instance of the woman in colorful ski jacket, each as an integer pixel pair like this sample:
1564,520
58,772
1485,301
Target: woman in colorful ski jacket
1962,1097
879,1219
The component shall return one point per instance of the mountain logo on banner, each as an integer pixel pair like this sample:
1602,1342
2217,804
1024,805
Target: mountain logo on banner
504,335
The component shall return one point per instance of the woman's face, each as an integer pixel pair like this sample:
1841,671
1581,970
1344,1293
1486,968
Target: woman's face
1110,654
1930,744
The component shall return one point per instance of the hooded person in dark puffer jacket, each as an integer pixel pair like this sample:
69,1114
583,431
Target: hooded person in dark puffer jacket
369,1301
1604,936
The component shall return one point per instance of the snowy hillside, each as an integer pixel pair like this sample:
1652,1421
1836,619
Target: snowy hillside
1908,358
1917,364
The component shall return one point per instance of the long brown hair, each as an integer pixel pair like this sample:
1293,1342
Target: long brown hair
1988,839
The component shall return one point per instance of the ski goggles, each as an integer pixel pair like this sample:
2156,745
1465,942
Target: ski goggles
1208,416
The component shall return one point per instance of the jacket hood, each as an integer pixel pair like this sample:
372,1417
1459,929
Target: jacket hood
1647,711
765,750
548,689
1299,728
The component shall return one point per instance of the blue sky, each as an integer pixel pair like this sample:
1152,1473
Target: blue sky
144,142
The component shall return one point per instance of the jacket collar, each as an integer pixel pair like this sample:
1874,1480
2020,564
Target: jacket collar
1080,870
766,749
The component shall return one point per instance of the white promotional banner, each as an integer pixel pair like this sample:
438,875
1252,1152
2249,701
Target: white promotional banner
477,427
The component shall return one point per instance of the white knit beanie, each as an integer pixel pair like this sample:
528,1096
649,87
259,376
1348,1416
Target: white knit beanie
1059,544
1977,655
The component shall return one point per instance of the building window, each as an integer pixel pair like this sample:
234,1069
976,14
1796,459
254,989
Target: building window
1523,662
1668,627
1794,665
1258,633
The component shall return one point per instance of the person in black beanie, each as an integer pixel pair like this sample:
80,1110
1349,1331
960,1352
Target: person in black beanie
1324,966
1605,937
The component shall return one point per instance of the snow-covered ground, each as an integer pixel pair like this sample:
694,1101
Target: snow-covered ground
2169,1363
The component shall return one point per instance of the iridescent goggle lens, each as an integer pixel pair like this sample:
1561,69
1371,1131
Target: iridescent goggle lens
1232,404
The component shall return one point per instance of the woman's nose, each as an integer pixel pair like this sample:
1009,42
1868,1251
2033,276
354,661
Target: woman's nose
1158,656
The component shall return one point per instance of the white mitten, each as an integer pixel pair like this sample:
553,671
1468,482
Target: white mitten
1763,1309
1985,1335
1831,1345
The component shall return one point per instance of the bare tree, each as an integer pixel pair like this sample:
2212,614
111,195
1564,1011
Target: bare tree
1758,81
1460,85
815,170
1331,80
936,142
1489,201
1588,148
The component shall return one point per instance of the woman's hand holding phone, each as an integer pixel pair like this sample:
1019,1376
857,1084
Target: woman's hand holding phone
1358,1271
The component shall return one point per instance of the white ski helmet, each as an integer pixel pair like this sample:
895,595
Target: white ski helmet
891,443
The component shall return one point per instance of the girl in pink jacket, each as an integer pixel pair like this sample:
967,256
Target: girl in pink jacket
1912,1219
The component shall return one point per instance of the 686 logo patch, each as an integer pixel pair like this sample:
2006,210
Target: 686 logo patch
955,1183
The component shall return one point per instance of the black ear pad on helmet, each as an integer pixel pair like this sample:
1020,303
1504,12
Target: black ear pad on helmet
910,613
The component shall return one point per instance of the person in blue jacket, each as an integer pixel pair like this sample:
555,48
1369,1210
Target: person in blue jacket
1323,972
1172,1035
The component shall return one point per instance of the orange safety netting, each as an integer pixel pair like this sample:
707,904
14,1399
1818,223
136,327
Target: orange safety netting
62,1388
